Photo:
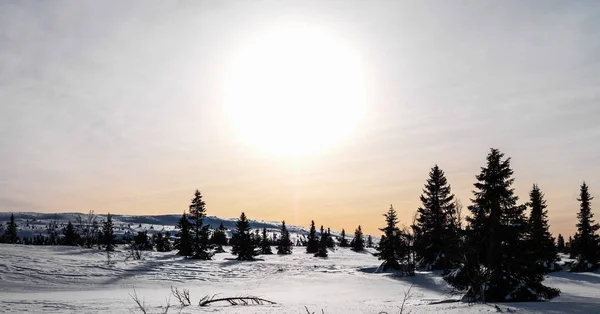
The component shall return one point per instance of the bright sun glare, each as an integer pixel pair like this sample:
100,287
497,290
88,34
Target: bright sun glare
295,91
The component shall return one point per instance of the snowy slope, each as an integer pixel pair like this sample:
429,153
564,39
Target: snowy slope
54,279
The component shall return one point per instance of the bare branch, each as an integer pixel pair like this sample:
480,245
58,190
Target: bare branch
183,296
141,305
406,296
459,212
236,301
166,311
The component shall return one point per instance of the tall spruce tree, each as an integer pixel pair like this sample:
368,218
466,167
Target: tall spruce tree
322,247
542,244
586,244
343,240
108,234
70,234
390,246
242,244
560,244
497,266
436,237
197,213
265,243
284,244
312,245
184,245
11,235
358,243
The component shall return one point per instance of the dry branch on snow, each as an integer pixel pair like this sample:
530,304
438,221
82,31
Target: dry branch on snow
248,300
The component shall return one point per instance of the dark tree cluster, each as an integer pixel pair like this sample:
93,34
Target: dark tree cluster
85,233
10,233
502,254
542,248
199,231
343,241
219,236
585,246
358,242
162,242
108,234
319,244
436,234
394,246
497,263
193,239
322,245
242,243
265,243
312,244
284,244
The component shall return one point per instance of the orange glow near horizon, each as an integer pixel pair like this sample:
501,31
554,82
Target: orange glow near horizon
330,195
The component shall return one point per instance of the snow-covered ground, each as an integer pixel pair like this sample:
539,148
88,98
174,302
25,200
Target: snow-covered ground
58,279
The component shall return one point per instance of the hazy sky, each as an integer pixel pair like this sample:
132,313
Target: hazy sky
118,106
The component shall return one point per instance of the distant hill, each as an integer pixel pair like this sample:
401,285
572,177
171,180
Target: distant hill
31,224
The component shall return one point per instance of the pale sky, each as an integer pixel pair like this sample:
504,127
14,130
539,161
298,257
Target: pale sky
119,106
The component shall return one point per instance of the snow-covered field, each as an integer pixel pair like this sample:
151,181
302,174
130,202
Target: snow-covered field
58,279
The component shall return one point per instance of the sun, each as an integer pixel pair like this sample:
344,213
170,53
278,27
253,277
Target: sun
294,91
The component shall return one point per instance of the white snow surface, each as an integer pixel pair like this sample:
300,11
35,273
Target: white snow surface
59,279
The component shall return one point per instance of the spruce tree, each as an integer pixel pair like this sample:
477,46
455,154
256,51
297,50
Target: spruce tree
219,236
390,246
70,235
322,247
141,241
159,242
284,245
436,238
586,244
343,240
312,245
497,266
11,235
330,242
197,213
358,243
242,244
167,245
560,243
184,245
108,234
265,243
369,241
256,237
542,244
